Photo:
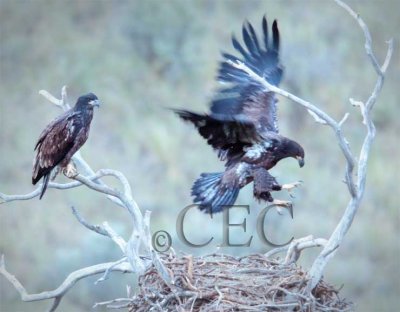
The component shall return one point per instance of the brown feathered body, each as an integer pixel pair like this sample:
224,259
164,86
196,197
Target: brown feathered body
62,138
242,125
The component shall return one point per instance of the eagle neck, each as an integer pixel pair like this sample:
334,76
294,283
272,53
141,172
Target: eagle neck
85,114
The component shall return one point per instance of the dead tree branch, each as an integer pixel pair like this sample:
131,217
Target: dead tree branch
344,224
89,181
139,242
66,285
356,189
294,249
95,228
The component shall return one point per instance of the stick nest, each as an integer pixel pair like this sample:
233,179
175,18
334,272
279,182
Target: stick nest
226,283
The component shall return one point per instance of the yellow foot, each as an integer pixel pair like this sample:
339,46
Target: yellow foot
70,171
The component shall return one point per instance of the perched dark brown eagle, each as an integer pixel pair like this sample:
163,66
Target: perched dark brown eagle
242,125
62,138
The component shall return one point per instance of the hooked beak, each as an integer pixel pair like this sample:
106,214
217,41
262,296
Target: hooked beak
95,103
300,160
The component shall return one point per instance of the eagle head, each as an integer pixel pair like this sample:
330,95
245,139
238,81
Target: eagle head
87,101
293,149
297,152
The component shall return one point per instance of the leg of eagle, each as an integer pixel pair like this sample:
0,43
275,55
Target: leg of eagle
264,184
217,191
242,124
62,138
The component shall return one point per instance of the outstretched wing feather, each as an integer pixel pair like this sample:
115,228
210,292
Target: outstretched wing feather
227,135
251,98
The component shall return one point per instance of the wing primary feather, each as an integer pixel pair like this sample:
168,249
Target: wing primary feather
265,31
275,36
230,57
255,39
239,48
241,110
246,38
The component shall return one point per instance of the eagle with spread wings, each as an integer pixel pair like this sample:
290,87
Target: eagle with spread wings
242,125
61,139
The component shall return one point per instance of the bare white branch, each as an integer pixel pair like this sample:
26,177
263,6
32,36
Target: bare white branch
62,186
316,118
318,115
107,272
140,239
62,103
367,35
362,107
115,237
52,99
388,57
294,249
95,228
356,189
345,222
122,303
345,117
69,282
297,245
64,98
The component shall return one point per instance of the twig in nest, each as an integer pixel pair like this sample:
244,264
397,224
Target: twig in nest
251,283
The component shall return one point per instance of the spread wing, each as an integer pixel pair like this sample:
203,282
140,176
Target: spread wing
226,134
244,96
54,143
242,114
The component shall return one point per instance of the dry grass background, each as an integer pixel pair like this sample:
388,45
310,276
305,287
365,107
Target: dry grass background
142,56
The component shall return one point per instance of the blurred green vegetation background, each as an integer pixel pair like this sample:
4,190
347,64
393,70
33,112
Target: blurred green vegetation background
140,57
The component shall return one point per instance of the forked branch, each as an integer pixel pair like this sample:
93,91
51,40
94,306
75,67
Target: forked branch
140,239
356,189
132,260
68,283
345,222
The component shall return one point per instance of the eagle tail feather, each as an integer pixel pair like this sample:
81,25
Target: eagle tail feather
44,185
211,195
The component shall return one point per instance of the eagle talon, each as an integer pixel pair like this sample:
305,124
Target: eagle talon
279,204
282,203
263,196
70,171
242,126
290,186
60,140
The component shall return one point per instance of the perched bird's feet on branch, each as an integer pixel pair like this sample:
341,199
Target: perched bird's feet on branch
70,171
